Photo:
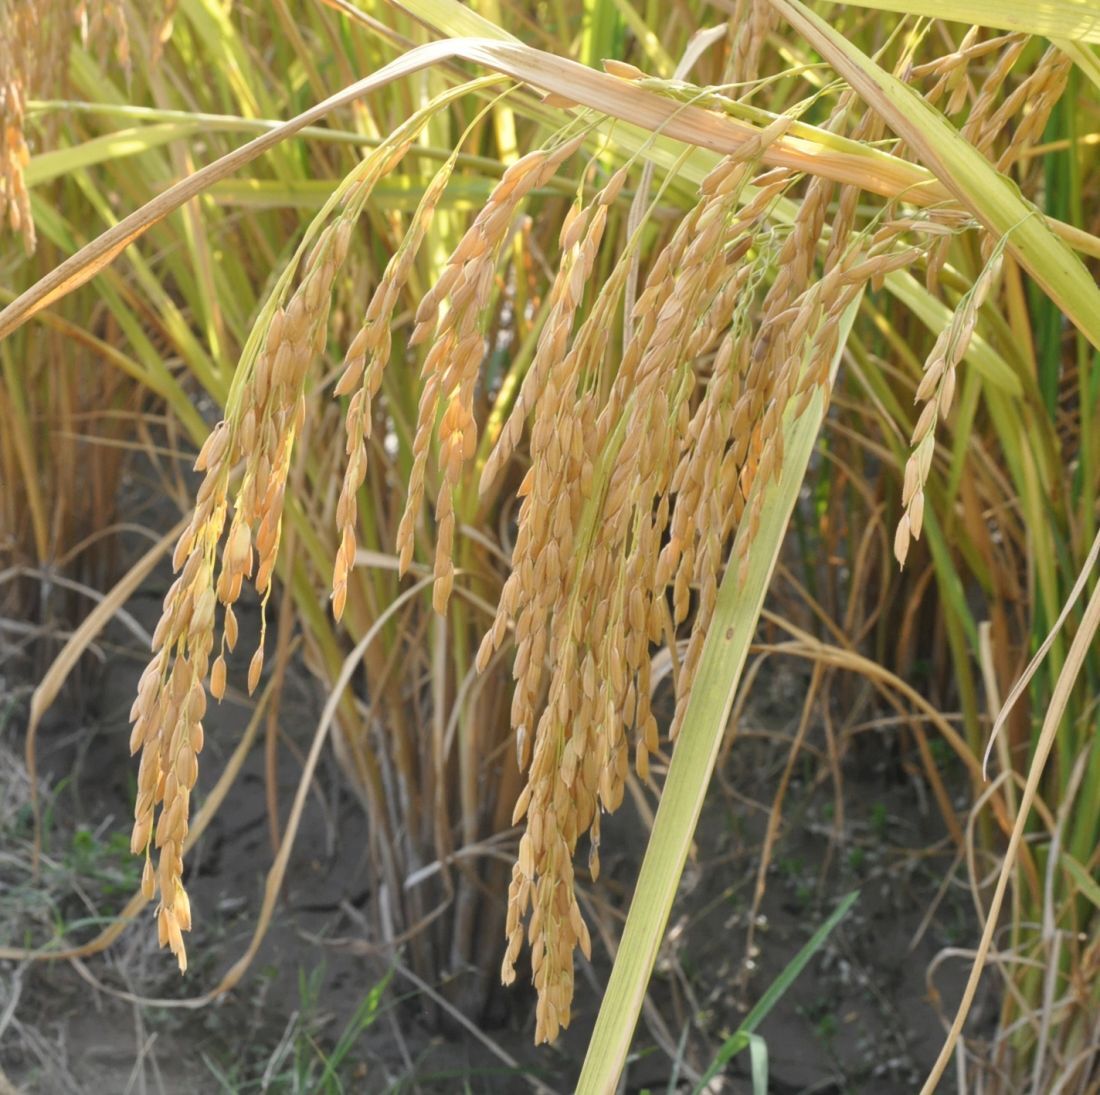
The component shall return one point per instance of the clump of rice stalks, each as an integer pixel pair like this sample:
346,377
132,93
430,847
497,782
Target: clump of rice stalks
55,409
62,453
34,48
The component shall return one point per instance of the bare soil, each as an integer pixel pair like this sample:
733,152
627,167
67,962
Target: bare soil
859,1019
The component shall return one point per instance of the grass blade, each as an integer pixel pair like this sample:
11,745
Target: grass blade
1085,882
1074,19
744,1034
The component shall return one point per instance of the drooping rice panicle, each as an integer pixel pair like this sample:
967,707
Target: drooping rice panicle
582,594
245,463
456,351
937,392
364,364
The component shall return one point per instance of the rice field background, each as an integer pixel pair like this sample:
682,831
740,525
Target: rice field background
549,545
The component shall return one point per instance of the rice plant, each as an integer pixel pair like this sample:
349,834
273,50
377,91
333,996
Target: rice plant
582,356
